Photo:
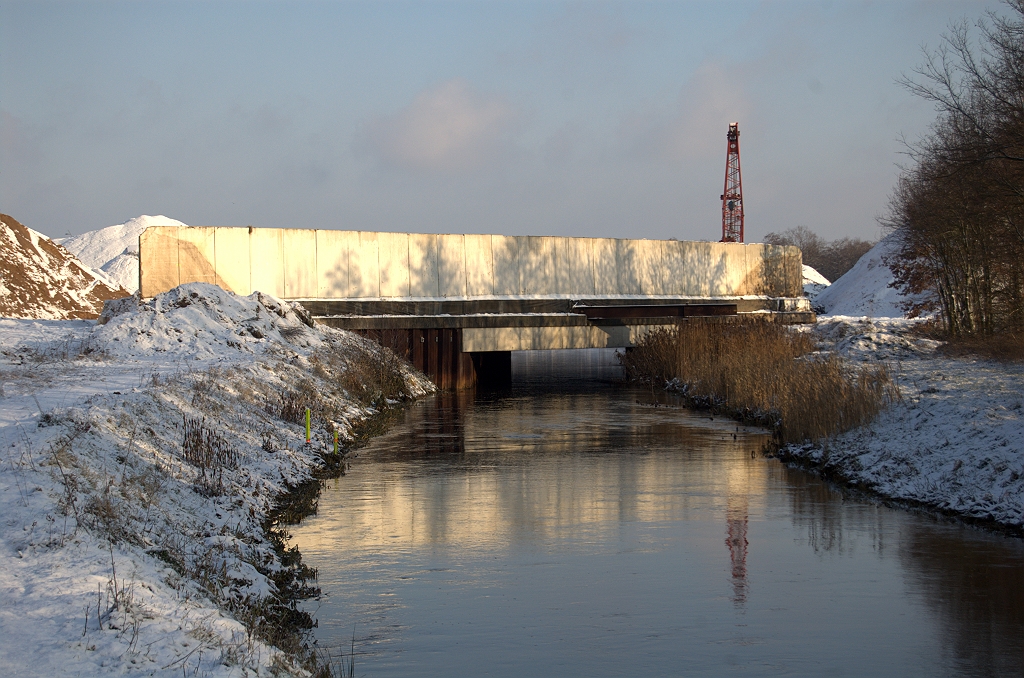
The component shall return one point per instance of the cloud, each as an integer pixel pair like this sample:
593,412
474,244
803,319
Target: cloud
695,127
449,127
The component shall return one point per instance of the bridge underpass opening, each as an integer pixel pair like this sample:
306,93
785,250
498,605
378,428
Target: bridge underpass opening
566,365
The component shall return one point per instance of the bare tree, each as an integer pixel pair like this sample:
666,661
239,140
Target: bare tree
959,210
830,258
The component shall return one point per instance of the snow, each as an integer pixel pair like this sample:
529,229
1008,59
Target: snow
120,554
115,249
864,290
814,283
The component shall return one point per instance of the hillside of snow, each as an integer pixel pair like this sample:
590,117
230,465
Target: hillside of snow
814,283
864,289
41,279
115,249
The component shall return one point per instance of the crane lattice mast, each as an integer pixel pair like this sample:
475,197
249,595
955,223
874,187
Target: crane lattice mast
732,197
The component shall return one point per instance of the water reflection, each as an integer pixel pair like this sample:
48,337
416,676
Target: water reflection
564,471
972,581
579,531
736,540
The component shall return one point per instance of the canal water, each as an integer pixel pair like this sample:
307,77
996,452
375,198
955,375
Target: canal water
571,527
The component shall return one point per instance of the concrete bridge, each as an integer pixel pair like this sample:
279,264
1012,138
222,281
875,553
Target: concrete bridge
456,305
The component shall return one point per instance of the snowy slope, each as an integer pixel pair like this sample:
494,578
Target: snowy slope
814,283
864,289
115,249
41,279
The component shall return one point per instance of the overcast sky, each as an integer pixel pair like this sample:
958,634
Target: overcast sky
539,118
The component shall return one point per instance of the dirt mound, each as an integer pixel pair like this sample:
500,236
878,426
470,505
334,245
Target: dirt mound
41,279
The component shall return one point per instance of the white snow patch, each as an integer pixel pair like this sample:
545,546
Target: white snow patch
814,282
955,442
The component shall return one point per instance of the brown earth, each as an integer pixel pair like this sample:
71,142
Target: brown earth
41,279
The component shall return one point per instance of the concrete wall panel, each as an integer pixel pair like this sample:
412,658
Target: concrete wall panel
231,246
674,262
364,267
158,260
298,248
196,255
451,265
479,266
651,266
505,257
394,264
267,261
580,254
563,276
627,266
794,272
332,248
423,276
605,275
727,267
296,263
537,264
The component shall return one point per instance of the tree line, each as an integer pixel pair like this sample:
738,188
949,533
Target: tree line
831,258
958,209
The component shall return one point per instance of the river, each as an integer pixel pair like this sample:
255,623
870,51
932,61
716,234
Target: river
584,528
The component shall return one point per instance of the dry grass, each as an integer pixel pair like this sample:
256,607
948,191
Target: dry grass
372,376
1006,347
764,372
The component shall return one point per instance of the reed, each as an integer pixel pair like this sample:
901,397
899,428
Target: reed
763,371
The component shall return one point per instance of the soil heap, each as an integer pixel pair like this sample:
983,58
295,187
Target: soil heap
41,279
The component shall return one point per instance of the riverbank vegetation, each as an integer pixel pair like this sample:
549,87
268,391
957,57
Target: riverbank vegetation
763,372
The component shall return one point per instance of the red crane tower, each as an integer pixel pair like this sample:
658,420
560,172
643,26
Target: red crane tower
732,198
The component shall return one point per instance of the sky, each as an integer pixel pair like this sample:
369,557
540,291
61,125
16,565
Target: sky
519,118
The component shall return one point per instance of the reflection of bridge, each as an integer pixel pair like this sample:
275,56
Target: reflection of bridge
456,305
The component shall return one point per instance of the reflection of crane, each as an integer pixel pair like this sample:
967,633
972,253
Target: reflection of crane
736,540
732,197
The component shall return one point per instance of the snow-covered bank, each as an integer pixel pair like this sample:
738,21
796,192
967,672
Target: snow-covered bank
956,441
142,457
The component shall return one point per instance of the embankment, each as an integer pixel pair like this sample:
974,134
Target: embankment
151,462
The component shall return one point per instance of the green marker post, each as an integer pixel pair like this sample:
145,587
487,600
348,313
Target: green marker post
309,439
